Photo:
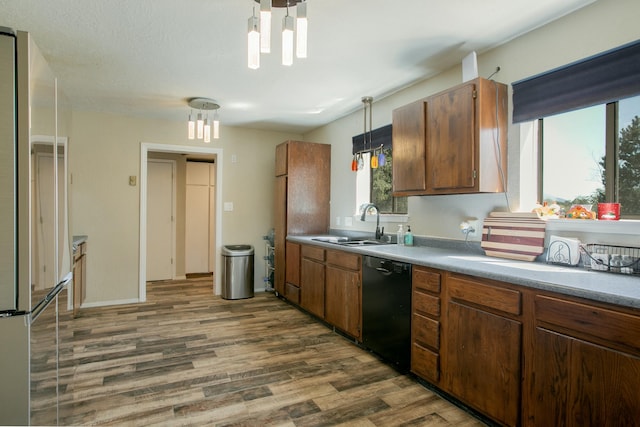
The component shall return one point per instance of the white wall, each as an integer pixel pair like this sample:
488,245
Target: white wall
601,26
104,150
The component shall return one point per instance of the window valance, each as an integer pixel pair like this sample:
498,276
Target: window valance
606,77
379,136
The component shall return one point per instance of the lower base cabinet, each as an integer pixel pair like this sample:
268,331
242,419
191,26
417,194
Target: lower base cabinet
312,278
329,285
520,356
481,361
343,297
585,370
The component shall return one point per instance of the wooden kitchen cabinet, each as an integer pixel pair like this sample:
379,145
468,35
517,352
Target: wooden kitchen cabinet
453,142
408,134
302,194
292,273
482,345
312,279
584,365
343,297
425,323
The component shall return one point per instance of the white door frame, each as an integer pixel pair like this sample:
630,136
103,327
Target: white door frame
145,147
173,210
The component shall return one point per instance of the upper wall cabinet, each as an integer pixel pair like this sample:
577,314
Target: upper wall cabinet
453,142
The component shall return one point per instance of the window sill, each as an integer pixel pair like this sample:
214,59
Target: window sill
595,226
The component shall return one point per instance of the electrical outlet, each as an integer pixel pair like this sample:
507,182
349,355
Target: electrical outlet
348,221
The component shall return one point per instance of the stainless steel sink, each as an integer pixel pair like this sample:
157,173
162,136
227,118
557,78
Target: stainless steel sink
350,241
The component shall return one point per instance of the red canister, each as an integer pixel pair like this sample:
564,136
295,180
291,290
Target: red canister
609,211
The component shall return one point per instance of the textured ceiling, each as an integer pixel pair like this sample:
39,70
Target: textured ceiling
147,57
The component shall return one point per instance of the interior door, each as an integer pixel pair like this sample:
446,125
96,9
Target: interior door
160,219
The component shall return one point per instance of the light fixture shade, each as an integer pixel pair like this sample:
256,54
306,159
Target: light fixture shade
216,128
191,127
199,126
253,44
287,40
265,26
301,30
207,130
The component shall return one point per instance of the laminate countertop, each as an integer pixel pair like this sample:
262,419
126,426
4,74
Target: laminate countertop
614,288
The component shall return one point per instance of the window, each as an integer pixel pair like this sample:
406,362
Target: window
592,155
374,184
381,188
589,135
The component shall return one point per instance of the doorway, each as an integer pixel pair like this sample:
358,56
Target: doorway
147,147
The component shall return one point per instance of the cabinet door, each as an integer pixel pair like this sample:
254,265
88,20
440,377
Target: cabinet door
312,274
576,383
483,361
292,282
451,141
343,300
409,150
293,264
281,159
585,367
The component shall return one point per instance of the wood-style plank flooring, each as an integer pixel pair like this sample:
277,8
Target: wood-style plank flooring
187,357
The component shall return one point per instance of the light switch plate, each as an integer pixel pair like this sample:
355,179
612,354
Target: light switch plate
228,206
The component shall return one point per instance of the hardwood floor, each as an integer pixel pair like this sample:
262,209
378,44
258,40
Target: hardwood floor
187,357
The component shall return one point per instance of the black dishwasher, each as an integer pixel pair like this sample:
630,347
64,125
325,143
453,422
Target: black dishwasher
386,310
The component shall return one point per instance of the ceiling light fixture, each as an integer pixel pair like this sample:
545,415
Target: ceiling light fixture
259,32
201,128
253,42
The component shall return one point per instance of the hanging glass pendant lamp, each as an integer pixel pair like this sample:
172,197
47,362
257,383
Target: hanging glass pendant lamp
253,42
201,128
294,30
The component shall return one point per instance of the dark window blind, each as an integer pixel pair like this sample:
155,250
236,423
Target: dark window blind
606,77
380,136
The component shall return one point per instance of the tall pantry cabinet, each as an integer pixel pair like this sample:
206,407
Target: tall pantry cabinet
303,175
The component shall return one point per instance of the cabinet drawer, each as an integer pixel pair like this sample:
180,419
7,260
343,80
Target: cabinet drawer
426,304
425,363
313,252
611,328
502,299
344,259
425,280
292,293
426,331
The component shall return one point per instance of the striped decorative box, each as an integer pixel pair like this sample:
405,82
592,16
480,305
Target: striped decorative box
513,235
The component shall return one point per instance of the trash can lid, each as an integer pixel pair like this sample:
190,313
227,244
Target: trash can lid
237,250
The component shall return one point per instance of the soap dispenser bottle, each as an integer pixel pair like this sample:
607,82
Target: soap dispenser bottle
400,235
408,237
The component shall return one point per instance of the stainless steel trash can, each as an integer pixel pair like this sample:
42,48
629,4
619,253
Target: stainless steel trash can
237,271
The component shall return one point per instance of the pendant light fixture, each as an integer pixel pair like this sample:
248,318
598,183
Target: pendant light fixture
377,157
253,42
301,30
287,39
294,29
265,26
201,128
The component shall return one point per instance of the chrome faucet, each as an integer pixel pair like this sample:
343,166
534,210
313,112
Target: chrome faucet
379,232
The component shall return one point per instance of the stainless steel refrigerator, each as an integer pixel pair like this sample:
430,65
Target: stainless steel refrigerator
26,312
